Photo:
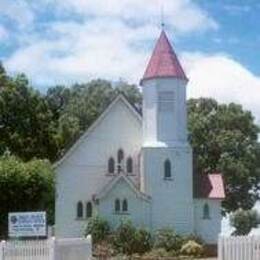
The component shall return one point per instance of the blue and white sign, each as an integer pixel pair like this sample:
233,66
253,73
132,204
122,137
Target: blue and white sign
27,224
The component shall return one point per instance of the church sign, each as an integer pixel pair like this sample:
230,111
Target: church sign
27,224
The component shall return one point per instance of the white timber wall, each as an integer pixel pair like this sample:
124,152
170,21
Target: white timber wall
168,125
208,229
84,172
138,208
239,248
172,200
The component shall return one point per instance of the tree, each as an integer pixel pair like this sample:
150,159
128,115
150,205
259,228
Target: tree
27,128
243,221
25,187
224,138
79,108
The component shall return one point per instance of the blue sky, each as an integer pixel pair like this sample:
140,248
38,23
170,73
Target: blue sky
67,41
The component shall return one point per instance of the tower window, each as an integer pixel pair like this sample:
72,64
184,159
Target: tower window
89,210
129,165
206,213
80,210
166,100
111,165
117,205
125,206
167,169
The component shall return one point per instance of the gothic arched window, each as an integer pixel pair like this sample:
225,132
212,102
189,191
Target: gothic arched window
125,205
80,210
167,169
120,156
206,213
129,165
111,165
117,205
89,210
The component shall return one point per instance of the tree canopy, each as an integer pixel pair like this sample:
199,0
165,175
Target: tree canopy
44,125
25,187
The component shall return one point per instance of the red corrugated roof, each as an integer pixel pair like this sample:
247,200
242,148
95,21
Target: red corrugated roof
164,61
210,186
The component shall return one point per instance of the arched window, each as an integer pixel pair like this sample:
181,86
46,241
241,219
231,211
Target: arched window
129,165
111,165
206,213
80,210
117,205
120,156
125,206
167,169
89,210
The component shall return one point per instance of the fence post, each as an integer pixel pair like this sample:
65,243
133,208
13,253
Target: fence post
52,248
2,248
89,243
220,248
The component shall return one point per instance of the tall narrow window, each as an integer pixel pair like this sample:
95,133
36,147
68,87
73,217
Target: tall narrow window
111,165
89,210
80,210
206,213
129,165
167,169
125,206
120,156
117,205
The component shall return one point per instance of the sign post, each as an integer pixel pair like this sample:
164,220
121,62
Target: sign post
27,224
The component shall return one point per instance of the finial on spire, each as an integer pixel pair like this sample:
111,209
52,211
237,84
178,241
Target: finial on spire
162,17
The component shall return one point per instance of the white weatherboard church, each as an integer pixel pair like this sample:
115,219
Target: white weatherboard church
140,167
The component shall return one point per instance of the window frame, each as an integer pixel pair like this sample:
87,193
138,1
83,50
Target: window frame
117,206
167,170
129,163
206,211
80,210
125,206
111,163
89,209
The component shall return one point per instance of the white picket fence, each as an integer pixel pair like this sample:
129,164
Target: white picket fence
239,248
51,249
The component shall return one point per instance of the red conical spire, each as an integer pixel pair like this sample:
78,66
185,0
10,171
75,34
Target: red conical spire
164,62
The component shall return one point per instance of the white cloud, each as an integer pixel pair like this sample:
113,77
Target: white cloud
182,15
83,51
224,79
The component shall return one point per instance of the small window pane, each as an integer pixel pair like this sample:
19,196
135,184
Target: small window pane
89,210
167,169
120,156
111,165
129,165
117,205
80,210
206,214
125,206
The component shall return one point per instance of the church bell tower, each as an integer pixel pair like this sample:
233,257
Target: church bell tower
166,154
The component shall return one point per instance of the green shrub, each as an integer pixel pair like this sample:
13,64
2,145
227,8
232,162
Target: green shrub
98,228
166,238
129,240
156,253
192,248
